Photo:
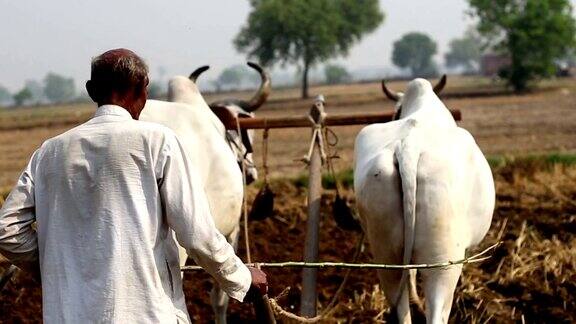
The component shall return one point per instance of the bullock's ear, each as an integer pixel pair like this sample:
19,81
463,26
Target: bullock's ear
226,116
440,86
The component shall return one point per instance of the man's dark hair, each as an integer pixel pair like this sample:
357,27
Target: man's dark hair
118,71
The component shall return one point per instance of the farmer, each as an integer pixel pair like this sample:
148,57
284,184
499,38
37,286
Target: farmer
105,196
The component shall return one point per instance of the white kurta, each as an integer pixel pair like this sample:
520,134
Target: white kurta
105,196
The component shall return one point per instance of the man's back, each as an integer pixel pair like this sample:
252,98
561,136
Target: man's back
109,197
100,179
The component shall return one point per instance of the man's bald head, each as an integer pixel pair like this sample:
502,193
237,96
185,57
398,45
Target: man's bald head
117,74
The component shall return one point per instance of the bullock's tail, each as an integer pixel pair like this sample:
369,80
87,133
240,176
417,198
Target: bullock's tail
407,155
414,298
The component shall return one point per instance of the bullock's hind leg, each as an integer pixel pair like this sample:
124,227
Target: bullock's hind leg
218,297
439,286
390,281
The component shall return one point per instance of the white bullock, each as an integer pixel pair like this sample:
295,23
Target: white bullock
207,145
425,193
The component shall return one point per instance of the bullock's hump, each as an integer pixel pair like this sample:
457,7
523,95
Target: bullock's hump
418,87
379,132
411,123
182,89
180,83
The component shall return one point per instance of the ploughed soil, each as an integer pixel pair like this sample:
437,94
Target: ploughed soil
530,278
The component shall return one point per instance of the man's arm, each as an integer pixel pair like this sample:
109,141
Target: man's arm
18,240
188,214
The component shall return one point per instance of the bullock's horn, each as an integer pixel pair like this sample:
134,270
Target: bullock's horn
441,84
265,87
194,76
391,95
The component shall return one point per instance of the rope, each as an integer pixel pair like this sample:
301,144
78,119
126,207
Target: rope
332,156
265,151
381,266
317,127
281,312
332,304
244,204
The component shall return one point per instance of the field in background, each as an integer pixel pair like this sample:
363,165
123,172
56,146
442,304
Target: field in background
540,122
531,276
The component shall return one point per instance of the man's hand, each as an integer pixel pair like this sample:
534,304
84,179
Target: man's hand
259,286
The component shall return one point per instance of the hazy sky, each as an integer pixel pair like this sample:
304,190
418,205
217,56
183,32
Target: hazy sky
39,36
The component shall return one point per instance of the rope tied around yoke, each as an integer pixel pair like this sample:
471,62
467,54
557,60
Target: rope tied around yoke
317,116
265,136
263,203
326,139
244,204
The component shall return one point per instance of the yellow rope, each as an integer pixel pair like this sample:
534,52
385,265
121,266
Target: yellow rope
343,265
244,205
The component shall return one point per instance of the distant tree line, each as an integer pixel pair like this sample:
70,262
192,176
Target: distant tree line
534,35
239,77
415,52
54,88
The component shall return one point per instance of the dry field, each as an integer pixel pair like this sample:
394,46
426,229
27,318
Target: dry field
531,277
541,122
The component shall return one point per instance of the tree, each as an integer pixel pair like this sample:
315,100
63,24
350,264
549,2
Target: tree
235,77
5,95
231,76
336,74
36,91
465,52
22,96
415,51
58,88
533,33
154,90
570,58
306,32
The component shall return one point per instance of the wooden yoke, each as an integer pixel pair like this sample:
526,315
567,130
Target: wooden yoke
229,120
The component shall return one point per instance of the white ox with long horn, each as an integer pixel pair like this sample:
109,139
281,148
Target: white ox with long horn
425,194
215,151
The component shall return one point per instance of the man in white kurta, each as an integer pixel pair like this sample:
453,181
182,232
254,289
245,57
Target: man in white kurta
106,196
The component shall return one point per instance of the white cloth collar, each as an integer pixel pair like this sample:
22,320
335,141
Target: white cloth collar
114,110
